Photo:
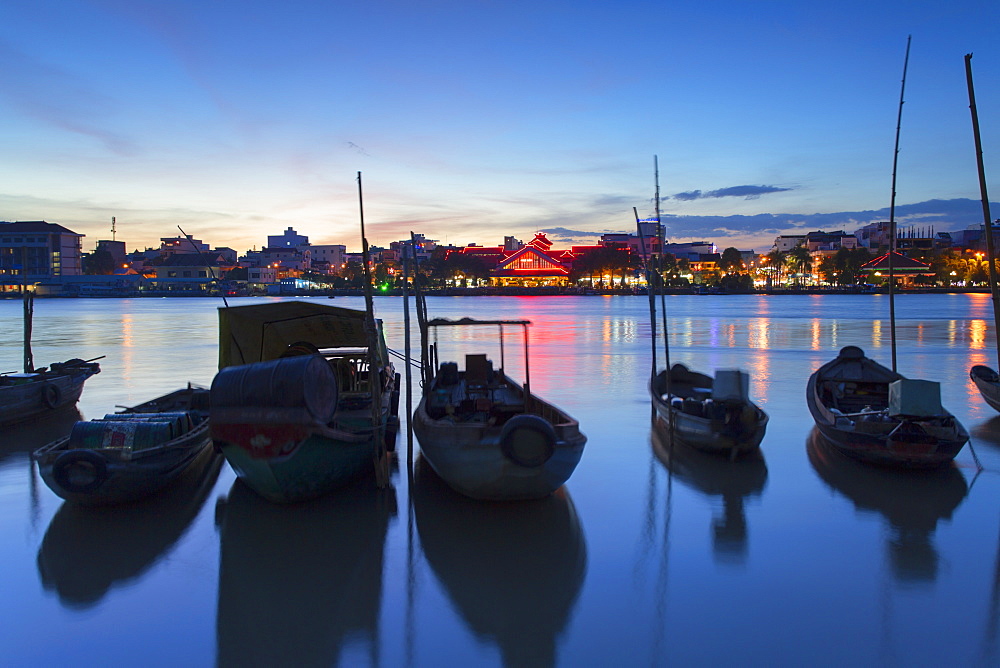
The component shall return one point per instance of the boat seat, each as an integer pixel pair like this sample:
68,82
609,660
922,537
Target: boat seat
478,370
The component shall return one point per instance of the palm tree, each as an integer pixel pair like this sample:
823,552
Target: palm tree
799,260
776,260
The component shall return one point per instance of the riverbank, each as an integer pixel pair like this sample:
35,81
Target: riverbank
515,292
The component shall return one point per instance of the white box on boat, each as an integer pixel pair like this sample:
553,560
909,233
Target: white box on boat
915,397
731,385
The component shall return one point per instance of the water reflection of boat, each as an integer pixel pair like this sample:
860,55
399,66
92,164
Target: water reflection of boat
29,436
988,431
913,502
297,581
86,551
513,569
712,476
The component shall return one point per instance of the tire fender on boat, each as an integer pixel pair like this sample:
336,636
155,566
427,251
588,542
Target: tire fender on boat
82,458
528,440
51,395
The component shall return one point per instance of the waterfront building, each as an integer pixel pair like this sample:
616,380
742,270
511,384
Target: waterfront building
188,273
904,270
691,250
179,245
644,244
37,251
786,242
116,249
328,258
533,264
288,239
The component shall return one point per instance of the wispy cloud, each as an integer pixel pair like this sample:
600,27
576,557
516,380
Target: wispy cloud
55,97
746,192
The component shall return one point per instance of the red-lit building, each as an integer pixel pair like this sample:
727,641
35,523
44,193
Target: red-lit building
533,264
904,269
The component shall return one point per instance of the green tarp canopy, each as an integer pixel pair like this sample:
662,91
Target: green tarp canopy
263,332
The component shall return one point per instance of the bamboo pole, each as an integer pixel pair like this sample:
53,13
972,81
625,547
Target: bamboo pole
374,351
892,211
406,349
987,218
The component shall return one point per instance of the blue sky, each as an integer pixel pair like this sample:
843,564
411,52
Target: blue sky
475,119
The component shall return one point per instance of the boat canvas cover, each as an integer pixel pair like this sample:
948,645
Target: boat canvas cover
919,398
262,332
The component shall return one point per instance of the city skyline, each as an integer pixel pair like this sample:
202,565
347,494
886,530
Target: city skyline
471,121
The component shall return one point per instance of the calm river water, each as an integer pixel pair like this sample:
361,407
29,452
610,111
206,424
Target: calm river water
799,558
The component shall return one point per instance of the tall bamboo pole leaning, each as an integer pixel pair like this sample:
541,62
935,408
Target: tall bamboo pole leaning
646,259
421,307
374,374
987,219
659,272
406,356
892,211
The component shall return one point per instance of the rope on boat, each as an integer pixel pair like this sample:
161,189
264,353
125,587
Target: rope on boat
975,458
412,361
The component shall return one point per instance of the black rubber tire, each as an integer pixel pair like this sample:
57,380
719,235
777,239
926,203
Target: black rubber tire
67,460
51,395
513,431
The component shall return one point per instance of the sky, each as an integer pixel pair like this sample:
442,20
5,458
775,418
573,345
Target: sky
475,119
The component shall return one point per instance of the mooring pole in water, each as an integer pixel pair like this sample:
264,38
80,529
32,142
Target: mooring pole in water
374,350
985,198
406,347
29,312
649,290
892,211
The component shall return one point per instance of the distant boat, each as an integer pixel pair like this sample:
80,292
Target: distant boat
129,455
485,434
988,382
39,392
713,415
306,398
710,414
874,414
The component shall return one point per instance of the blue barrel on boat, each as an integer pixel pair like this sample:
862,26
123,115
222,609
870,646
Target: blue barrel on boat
304,381
119,435
180,422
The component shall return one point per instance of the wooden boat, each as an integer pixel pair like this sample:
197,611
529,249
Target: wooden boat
129,455
34,394
305,400
713,415
874,414
988,382
38,392
486,435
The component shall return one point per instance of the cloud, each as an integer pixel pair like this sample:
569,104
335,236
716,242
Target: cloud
746,192
942,215
564,232
56,97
